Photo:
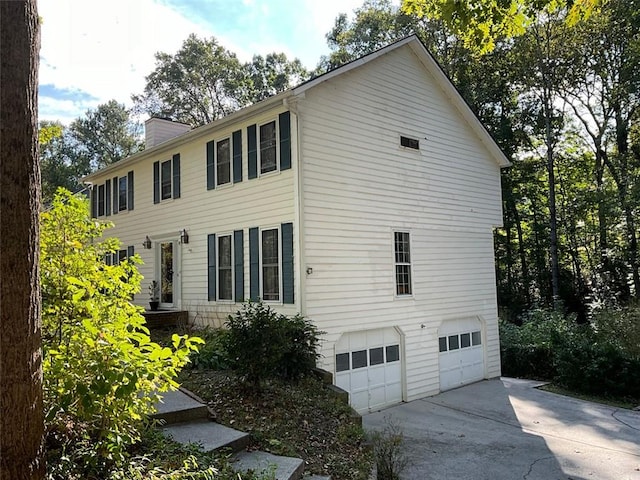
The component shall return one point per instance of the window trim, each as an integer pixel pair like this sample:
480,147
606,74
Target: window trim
261,265
170,197
215,162
219,236
397,264
259,146
122,208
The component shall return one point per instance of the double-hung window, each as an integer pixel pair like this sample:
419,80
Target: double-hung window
225,267
122,193
268,154
165,179
223,162
402,250
270,257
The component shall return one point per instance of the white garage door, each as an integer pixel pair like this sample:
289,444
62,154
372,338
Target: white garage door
461,353
369,367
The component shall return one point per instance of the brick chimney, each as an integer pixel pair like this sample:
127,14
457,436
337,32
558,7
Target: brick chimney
159,130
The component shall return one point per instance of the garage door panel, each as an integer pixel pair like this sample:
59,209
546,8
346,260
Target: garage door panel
461,355
373,376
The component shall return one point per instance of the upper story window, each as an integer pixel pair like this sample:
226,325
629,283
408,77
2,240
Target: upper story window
223,162
122,194
269,146
268,158
402,250
166,179
113,196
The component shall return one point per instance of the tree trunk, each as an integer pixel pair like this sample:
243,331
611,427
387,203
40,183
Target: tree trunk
21,420
553,223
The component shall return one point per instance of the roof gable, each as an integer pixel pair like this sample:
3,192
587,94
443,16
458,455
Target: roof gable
432,66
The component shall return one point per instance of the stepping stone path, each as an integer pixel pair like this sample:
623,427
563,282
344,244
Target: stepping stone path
187,420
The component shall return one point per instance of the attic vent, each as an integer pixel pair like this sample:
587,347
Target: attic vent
410,143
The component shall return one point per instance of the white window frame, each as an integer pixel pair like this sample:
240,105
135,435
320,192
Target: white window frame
170,197
279,250
396,264
277,145
215,163
120,206
232,267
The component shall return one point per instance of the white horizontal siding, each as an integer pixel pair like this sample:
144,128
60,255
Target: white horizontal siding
359,185
267,201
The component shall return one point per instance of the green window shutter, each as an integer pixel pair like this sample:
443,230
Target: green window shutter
287,262
130,251
238,260
254,264
237,156
285,140
211,262
130,190
107,201
94,201
176,175
115,195
211,178
156,182
252,146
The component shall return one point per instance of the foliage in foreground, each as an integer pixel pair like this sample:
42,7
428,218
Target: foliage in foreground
261,343
102,372
600,358
388,446
302,419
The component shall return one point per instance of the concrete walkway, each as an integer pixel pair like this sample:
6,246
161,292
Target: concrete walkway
506,429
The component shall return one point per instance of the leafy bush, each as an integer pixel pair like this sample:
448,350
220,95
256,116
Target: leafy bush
596,358
211,355
102,373
261,343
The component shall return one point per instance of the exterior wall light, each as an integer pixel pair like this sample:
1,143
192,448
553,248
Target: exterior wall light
184,236
147,243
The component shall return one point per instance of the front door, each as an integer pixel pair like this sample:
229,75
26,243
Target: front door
167,273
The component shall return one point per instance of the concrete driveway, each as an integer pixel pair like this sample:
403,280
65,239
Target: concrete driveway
505,429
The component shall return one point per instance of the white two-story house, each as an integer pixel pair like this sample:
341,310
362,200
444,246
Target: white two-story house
364,199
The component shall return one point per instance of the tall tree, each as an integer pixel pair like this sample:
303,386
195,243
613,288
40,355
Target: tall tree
272,74
21,407
105,135
204,81
480,23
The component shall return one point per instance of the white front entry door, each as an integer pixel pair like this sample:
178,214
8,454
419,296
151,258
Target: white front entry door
461,353
167,272
369,367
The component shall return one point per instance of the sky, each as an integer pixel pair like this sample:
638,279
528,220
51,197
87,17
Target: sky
97,50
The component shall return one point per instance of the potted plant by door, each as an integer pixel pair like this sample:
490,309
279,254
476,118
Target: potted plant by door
154,296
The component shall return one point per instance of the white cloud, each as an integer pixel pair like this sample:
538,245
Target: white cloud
105,48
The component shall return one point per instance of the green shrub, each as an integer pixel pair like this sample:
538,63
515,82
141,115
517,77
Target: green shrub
599,358
261,343
211,355
102,373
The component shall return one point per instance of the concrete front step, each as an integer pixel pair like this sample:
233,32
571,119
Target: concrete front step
178,407
209,435
283,468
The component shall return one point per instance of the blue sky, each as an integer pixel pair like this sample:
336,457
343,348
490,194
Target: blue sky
97,50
